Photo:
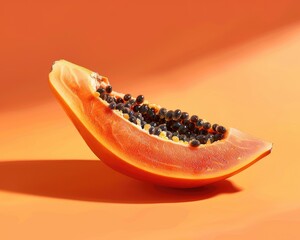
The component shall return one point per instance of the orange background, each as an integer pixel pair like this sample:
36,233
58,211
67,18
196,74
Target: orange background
234,62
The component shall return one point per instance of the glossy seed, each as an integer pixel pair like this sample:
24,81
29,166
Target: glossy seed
162,112
143,109
206,125
136,108
184,116
128,105
151,130
221,129
131,101
120,100
169,134
163,127
120,106
169,124
169,115
131,113
185,122
153,124
127,97
194,143
197,131
132,119
203,132
103,96
176,114
194,118
176,126
126,110
151,114
157,119
157,131
139,99
199,123
218,136
182,129
109,99
112,105
202,139
214,127
191,126
153,110
100,90
108,89
188,133
139,116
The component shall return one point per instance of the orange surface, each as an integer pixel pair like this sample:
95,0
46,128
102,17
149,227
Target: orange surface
241,60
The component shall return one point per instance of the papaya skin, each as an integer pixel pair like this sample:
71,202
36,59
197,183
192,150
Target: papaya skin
132,151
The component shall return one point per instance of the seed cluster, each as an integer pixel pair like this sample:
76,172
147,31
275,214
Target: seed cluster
174,125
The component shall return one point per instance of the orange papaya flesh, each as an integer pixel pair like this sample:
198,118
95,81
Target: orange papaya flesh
131,150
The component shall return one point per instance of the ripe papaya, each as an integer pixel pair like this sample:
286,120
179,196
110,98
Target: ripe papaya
146,141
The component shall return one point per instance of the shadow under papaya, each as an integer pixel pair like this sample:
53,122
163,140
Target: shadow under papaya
91,180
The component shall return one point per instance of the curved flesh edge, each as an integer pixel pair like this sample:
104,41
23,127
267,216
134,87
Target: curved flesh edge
128,149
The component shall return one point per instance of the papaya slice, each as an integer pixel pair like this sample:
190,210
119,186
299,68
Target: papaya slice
128,148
